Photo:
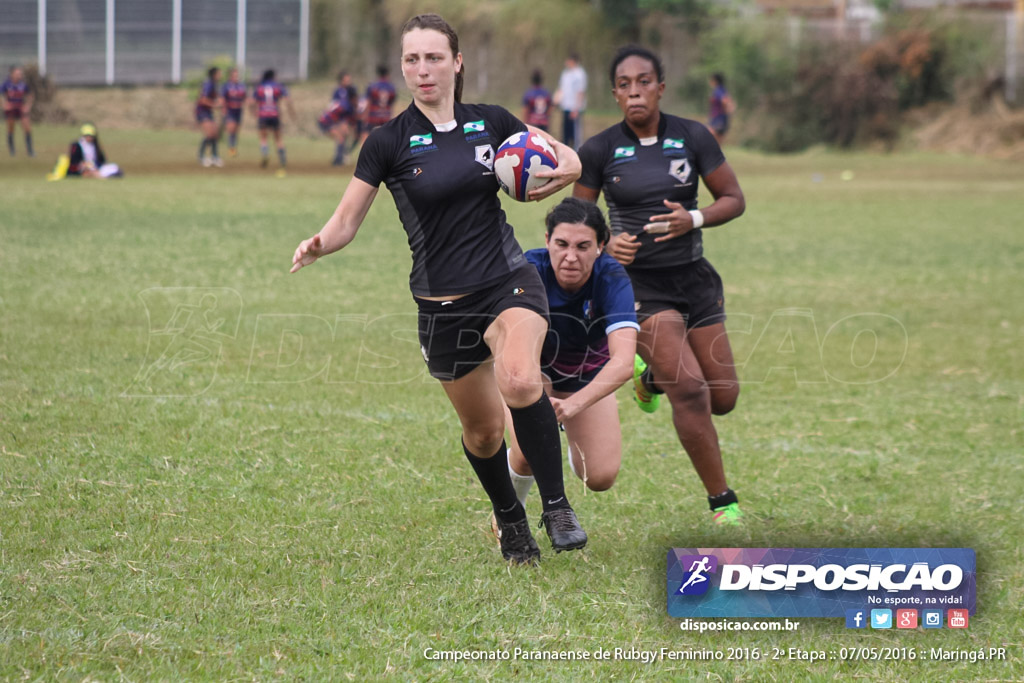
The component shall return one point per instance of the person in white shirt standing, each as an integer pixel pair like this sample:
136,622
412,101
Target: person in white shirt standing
572,97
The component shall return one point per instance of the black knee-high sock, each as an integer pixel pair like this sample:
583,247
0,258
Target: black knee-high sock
202,147
537,432
10,142
28,144
213,147
493,475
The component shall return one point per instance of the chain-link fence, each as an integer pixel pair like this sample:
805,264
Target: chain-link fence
95,42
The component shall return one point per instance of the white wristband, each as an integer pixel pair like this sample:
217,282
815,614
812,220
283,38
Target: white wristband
698,218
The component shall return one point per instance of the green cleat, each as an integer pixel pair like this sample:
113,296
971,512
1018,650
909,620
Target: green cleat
646,400
728,515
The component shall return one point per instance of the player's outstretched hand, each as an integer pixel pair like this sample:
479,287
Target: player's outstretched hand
623,247
566,173
565,409
670,225
307,252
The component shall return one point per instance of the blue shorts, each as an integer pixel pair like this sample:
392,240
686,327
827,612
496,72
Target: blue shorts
204,115
233,115
569,384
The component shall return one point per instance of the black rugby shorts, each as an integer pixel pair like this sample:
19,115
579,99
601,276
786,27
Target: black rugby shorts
452,332
694,289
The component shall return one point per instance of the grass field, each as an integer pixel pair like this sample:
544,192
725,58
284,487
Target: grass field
284,495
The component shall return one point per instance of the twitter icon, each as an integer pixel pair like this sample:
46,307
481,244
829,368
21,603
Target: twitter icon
881,618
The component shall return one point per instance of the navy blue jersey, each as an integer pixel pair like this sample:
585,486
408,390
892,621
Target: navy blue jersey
234,94
15,93
207,97
577,340
636,179
444,188
347,97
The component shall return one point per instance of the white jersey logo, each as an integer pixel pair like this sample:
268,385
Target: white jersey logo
485,156
680,170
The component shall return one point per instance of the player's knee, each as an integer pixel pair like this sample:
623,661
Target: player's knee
723,400
484,438
521,387
689,395
601,480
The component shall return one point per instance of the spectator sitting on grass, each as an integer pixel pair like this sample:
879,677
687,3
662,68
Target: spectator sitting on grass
85,158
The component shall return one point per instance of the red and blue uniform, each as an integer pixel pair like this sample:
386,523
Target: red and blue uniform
234,95
15,94
718,117
537,102
207,98
335,113
346,96
268,96
380,97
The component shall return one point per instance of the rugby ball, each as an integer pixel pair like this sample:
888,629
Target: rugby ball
518,159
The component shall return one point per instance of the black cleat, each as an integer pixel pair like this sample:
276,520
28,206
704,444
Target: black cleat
563,529
517,544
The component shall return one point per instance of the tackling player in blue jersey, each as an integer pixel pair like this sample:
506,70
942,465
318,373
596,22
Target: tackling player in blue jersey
589,349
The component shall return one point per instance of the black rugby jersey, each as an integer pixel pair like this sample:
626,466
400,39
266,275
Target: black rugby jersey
447,196
636,178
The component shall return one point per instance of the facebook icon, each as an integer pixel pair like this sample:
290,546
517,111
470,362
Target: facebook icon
856,618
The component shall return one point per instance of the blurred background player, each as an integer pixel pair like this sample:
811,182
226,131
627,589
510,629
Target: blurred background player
380,97
537,103
572,96
208,97
18,100
267,98
720,107
590,345
234,96
346,93
335,122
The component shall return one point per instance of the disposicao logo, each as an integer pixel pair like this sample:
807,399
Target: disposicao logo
817,582
696,580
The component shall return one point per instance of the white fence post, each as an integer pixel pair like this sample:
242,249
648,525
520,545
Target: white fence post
240,36
303,39
110,42
41,38
1014,40
176,42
